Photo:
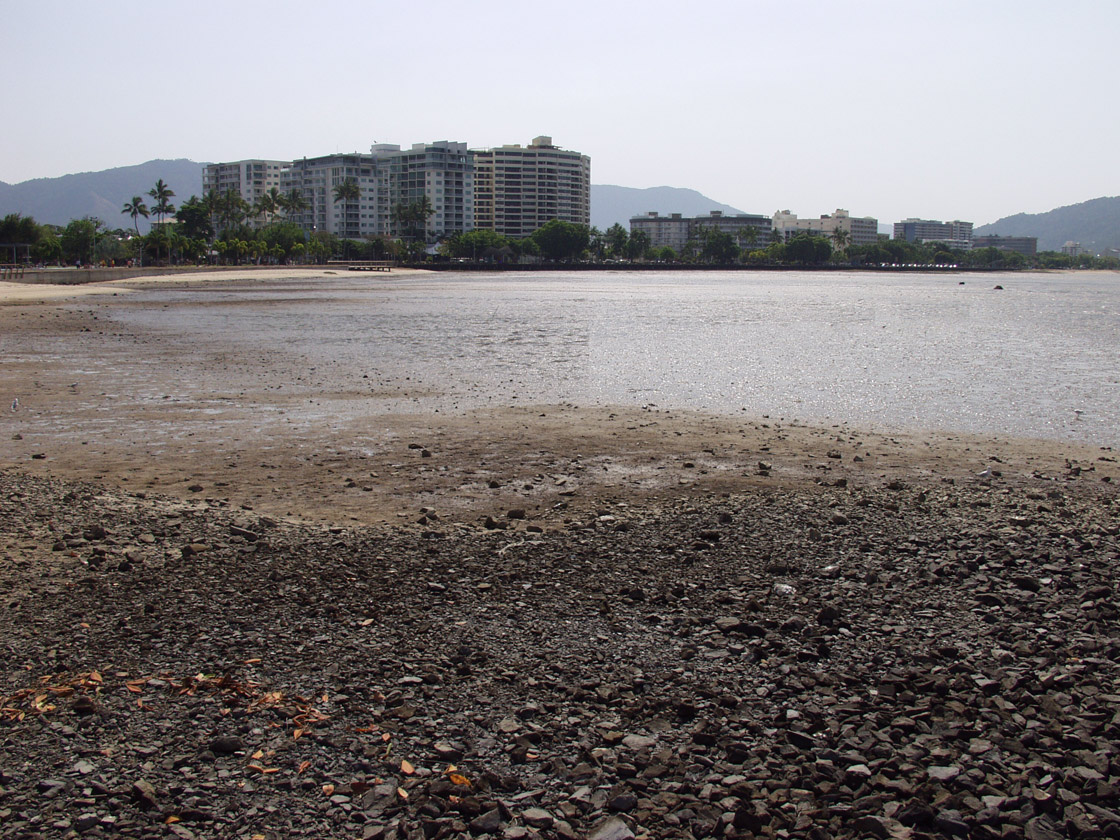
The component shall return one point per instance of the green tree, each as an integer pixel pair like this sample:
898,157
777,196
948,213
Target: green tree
293,203
79,239
559,240
18,232
162,194
48,248
717,247
840,239
136,208
638,246
617,240
195,218
808,250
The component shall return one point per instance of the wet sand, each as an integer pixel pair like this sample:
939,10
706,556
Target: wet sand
118,408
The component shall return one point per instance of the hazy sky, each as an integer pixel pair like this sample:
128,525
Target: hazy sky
971,110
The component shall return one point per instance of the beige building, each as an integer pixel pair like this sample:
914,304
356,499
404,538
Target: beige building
860,230
519,189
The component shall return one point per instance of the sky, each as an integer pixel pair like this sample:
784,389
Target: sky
951,110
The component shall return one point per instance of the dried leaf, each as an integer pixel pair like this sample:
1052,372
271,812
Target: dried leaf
297,734
252,661
135,689
385,736
93,675
268,771
402,793
407,768
328,790
457,779
303,765
365,622
171,820
326,698
256,767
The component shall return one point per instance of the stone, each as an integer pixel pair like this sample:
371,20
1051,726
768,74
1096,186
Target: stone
487,823
612,828
226,745
537,818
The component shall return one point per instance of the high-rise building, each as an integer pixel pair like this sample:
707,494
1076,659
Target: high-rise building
436,177
860,230
519,189
249,179
955,234
327,207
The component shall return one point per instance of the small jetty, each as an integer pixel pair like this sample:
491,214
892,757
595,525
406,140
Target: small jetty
362,265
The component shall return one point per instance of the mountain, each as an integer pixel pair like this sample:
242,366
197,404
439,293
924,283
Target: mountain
610,204
1095,224
101,194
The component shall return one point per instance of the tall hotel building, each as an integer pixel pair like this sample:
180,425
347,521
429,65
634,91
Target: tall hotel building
518,189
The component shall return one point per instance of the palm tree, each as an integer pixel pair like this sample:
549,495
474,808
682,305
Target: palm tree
841,238
137,208
293,203
160,193
347,191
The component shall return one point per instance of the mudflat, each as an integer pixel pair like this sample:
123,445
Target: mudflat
530,620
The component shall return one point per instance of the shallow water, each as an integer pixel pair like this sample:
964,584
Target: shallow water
890,351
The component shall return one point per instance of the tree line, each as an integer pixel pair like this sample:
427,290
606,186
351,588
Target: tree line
217,228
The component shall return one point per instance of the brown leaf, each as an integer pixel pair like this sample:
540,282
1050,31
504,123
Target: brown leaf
407,768
402,793
328,790
303,765
457,779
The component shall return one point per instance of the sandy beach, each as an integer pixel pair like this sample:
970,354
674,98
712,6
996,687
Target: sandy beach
528,621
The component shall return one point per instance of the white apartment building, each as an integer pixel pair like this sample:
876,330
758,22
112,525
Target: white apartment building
519,189
441,172
675,231
860,230
955,234
249,179
316,179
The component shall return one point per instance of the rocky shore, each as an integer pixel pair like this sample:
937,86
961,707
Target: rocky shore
918,658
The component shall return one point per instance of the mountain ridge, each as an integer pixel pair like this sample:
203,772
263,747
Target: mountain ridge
1094,223
56,200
